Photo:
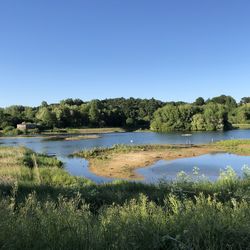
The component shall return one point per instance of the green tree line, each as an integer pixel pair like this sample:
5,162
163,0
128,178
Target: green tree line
212,114
118,112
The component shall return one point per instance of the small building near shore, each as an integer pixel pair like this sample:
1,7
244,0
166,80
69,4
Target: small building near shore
26,126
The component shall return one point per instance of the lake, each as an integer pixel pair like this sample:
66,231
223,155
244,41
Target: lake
79,167
209,165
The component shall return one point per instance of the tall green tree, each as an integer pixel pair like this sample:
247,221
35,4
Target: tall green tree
95,113
46,117
199,101
245,100
173,118
228,101
212,116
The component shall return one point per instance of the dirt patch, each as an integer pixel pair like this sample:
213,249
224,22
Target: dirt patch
122,165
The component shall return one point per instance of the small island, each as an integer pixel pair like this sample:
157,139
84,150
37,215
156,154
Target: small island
120,161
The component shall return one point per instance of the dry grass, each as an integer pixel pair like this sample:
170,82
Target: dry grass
84,131
97,130
25,168
66,132
82,137
10,164
240,147
242,126
11,156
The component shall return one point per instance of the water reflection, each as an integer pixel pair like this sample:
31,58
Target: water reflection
209,165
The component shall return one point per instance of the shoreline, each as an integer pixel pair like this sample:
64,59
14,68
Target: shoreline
66,137
71,132
124,165
97,131
114,164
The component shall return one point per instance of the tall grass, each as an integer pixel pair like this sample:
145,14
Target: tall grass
27,168
199,223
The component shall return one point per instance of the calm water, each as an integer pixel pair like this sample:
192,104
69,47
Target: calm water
80,167
209,165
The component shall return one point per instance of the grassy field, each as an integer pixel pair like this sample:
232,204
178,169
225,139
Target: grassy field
43,207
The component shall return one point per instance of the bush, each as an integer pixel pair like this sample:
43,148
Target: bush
11,131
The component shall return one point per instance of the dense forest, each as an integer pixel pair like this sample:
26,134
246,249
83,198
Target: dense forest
213,114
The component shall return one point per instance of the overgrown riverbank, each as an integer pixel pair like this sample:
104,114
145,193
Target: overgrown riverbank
23,166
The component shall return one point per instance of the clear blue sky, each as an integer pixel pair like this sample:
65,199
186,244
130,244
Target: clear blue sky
169,49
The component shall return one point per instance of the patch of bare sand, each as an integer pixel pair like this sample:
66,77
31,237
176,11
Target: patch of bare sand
122,165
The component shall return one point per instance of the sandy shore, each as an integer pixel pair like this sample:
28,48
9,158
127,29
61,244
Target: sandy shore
122,165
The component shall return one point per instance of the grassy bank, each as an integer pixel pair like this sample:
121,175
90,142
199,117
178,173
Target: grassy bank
82,137
242,126
23,166
43,207
240,147
72,132
83,131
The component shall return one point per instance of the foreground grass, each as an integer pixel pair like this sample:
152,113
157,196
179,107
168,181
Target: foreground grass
199,223
42,207
121,215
